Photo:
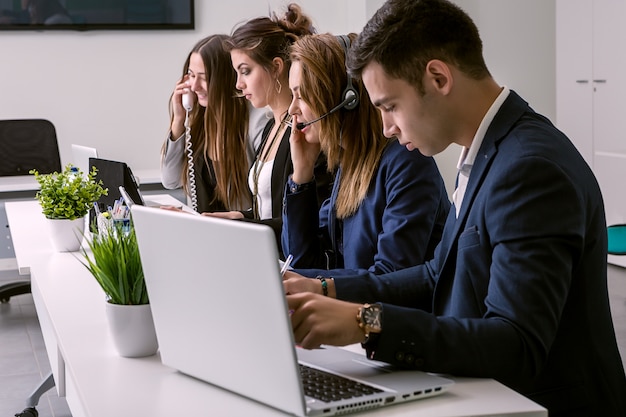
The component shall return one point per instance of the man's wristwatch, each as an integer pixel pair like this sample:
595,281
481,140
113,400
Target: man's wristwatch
369,318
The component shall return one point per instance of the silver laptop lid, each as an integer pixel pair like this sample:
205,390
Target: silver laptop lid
218,304
81,155
220,315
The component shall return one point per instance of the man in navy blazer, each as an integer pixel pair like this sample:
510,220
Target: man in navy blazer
517,288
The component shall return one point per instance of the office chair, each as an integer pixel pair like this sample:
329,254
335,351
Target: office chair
28,144
24,145
616,234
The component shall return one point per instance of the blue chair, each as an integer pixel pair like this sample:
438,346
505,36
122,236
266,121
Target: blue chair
617,239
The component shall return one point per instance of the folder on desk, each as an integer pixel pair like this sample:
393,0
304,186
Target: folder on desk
220,315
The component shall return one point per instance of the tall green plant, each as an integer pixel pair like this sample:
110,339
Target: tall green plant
115,263
68,194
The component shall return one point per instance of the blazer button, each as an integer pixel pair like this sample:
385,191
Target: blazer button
409,359
399,356
419,362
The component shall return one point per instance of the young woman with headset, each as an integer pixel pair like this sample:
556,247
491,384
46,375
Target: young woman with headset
210,145
258,50
388,204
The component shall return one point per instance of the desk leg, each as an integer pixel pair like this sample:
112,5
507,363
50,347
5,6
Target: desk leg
60,374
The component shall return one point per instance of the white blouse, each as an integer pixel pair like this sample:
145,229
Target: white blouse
264,187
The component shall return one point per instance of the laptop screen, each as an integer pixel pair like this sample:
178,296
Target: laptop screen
113,174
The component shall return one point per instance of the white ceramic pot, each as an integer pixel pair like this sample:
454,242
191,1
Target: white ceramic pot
66,235
132,329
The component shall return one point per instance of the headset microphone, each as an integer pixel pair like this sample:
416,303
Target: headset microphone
350,96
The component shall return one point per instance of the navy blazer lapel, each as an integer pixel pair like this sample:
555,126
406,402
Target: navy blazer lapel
510,112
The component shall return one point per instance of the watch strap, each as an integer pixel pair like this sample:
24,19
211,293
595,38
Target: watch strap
370,344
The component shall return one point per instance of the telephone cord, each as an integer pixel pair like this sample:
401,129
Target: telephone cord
190,166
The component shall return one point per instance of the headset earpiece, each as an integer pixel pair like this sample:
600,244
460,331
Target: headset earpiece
350,95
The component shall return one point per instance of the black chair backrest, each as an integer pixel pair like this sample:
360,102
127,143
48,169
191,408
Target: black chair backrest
28,144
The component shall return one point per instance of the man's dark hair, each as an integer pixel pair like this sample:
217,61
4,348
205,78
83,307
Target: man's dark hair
404,35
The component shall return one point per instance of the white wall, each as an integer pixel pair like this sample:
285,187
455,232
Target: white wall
519,43
110,89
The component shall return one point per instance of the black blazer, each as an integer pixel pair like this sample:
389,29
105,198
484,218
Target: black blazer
517,290
283,168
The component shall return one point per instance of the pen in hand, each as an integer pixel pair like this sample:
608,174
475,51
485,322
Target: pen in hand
286,264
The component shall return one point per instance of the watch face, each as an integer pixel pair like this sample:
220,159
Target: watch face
371,317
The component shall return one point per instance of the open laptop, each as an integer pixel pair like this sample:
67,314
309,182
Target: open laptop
81,155
221,316
114,174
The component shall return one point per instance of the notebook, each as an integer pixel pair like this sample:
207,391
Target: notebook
221,316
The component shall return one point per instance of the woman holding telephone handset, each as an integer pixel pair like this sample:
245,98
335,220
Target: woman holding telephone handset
213,134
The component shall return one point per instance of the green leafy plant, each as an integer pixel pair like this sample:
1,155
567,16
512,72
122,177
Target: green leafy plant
115,263
68,194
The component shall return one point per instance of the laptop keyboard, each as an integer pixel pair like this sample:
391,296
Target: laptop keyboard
328,387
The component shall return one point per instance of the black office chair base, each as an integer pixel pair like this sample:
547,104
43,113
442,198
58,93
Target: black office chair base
28,412
12,289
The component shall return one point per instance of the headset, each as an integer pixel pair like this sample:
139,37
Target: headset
350,96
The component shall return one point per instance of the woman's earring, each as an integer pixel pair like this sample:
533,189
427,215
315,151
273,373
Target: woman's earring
279,87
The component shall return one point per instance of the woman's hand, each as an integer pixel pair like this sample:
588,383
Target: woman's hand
304,153
178,111
294,283
233,215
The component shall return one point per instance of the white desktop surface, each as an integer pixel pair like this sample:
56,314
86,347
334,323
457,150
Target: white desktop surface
31,244
97,382
18,183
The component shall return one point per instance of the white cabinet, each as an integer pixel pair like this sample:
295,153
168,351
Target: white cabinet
591,90
574,99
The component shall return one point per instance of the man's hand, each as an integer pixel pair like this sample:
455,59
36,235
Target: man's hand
318,320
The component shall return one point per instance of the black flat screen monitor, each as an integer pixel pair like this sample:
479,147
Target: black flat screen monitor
96,14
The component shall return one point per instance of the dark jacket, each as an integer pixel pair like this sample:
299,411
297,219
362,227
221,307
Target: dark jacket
398,224
517,290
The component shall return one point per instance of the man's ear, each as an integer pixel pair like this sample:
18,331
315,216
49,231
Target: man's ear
439,76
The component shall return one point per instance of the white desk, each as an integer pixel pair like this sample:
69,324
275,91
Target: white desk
18,183
98,383
24,187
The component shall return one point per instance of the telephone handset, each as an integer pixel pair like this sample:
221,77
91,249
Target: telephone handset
188,105
187,102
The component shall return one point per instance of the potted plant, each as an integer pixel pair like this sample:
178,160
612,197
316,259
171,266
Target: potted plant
65,198
112,256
